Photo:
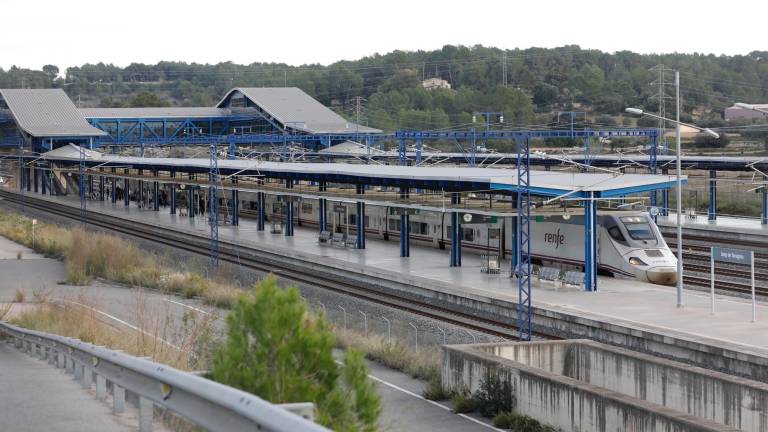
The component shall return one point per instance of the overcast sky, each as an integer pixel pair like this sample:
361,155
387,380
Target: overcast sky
73,32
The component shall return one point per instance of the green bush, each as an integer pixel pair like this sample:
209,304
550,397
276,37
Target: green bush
519,423
278,351
463,403
494,396
435,390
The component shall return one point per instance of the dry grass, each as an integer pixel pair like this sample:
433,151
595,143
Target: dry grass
424,364
89,255
186,343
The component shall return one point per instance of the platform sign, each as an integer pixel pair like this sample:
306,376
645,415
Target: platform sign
339,208
732,256
399,211
471,219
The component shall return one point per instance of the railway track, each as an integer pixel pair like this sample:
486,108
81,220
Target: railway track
238,255
696,256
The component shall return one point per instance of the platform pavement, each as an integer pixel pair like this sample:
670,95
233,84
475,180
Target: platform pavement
743,225
637,304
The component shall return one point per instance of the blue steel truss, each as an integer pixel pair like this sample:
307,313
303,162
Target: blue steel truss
213,207
524,238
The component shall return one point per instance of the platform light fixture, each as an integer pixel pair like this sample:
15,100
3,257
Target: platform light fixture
678,168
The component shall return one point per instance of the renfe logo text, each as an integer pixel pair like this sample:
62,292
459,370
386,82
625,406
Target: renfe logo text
555,238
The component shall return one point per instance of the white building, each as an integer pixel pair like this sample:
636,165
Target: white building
735,113
435,83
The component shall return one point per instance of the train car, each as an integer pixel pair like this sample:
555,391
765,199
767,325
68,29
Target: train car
629,244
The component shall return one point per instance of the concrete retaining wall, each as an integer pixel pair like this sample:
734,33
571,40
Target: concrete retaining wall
587,386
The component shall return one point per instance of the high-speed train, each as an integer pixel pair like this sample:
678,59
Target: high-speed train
629,244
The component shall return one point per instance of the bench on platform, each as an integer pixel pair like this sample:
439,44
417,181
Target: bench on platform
574,278
339,239
551,274
324,237
490,264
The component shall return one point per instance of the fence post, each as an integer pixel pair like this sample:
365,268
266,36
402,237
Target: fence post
416,333
101,387
365,322
146,414
344,311
389,329
118,399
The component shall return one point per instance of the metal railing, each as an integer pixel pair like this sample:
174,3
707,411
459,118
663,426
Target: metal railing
206,403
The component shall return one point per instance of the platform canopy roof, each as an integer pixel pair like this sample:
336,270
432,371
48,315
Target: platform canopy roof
297,110
542,183
153,112
47,113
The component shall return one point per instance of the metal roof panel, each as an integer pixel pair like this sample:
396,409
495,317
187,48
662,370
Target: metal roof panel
47,113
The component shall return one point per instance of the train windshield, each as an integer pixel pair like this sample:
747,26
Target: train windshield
638,228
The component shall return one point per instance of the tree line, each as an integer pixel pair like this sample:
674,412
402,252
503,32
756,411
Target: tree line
529,85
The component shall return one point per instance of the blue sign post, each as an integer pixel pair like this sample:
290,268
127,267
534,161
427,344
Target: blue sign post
732,256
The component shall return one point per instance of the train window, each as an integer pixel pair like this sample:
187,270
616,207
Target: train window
468,234
367,221
616,234
638,228
306,208
394,225
352,219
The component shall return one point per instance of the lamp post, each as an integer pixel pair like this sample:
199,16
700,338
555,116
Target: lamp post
678,168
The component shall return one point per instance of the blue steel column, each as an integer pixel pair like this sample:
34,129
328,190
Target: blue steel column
101,188
405,228
764,204
260,220
191,202
360,219
43,179
127,190
514,256
590,244
323,204
36,175
235,204
90,186
401,152
712,212
289,211
405,235
113,191
29,179
665,197
173,194
455,232
155,195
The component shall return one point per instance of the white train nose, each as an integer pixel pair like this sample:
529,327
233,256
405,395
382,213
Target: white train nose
662,275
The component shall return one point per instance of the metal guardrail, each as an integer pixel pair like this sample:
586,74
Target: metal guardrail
206,403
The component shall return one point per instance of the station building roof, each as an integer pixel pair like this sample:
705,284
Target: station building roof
47,113
296,110
542,183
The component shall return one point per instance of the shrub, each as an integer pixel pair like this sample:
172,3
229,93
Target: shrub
494,396
19,296
463,402
280,352
435,390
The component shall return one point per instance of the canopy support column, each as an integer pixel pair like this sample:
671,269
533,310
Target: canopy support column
712,211
360,219
455,232
261,205
289,210
322,187
590,243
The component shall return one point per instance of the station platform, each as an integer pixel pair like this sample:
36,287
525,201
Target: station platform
725,228
632,304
